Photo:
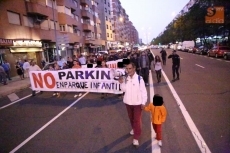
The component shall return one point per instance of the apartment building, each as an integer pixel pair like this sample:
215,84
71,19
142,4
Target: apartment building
34,29
107,24
125,32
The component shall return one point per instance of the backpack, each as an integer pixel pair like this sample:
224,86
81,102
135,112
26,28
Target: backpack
139,79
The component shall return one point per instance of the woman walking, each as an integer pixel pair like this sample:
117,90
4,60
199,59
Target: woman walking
19,70
158,68
77,65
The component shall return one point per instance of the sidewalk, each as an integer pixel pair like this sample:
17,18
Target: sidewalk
13,85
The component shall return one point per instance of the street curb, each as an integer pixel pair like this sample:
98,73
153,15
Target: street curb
4,94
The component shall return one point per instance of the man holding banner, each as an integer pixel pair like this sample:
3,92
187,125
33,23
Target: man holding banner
135,98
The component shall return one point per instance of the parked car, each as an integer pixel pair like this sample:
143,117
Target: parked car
192,49
227,55
218,51
202,50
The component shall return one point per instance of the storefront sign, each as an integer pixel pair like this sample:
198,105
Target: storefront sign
27,43
6,42
215,15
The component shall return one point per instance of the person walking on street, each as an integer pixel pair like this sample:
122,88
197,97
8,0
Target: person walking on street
33,67
144,67
151,58
2,75
135,60
158,68
135,98
26,66
163,56
158,113
6,67
19,70
77,65
175,65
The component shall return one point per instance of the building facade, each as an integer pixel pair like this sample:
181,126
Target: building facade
47,29
125,33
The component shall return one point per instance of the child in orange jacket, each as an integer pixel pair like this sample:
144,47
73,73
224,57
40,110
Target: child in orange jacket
158,113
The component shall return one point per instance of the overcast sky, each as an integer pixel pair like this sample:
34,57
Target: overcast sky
150,17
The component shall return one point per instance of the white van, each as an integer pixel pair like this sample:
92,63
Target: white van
186,45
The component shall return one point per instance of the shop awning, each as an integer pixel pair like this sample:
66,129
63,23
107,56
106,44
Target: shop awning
20,50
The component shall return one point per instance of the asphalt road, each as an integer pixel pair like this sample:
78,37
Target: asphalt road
94,125
204,88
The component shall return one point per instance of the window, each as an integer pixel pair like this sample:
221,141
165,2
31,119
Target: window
49,3
13,18
51,24
70,29
75,3
62,27
108,4
67,11
105,1
106,18
109,12
28,21
76,17
107,27
105,10
79,33
44,25
107,34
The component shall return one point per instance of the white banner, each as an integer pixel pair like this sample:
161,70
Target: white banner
110,64
99,80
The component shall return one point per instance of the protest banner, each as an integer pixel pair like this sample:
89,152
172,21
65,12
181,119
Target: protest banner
110,64
101,80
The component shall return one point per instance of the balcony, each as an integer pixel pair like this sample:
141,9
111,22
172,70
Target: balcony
66,19
86,14
97,20
85,2
87,27
35,9
98,30
73,38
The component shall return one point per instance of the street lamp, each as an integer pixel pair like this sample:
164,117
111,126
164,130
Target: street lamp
55,31
146,32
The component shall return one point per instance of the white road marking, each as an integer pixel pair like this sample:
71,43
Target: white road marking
47,124
196,134
154,144
181,58
227,61
199,66
13,97
17,101
219,59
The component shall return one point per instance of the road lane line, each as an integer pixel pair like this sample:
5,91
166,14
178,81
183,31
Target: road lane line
196,134
47,124
199,66
219,59
154,143
17,101
227,61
